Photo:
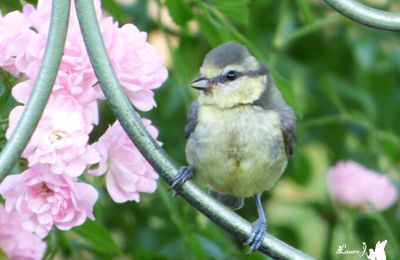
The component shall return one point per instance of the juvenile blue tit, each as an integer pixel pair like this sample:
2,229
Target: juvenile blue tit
240,132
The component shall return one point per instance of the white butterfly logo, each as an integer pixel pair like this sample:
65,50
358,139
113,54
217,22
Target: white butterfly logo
379,252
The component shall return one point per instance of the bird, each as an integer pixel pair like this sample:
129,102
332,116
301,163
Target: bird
240,132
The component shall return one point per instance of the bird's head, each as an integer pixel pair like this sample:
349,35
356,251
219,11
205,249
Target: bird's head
230,76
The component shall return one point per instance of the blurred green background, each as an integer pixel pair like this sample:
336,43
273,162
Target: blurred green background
341,78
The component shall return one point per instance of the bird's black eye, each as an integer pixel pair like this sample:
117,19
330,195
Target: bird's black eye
231,75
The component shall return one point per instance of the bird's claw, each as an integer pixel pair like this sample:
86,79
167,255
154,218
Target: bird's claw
185,173
256,236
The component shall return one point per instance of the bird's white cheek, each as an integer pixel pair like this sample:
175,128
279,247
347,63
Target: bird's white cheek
230,87
232,93
241,91
228,94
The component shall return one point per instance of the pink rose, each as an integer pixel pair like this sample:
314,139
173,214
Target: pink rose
127,172
44,199
14,34
354,185
61,138
136,63
16,242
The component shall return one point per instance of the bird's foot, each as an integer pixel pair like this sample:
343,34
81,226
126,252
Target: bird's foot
257,235
185,173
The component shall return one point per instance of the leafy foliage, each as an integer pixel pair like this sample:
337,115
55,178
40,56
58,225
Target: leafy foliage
342,80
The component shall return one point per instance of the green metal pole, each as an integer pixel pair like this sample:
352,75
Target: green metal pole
367,15
131,122
42,88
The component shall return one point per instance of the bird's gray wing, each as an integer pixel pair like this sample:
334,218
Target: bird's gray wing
191,120
288,126
271,99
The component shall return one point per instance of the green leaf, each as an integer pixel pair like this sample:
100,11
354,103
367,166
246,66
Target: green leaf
210,247
2,255
97,237
195,246
5,91
52,245
34,2
339,91
390,143
116,10
10,5
175,249
180,11
184,53
367,230
289,234
237,10
306,10
300,169
286,25
286,88
211,30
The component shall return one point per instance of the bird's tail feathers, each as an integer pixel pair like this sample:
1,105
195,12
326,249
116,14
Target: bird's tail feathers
230,201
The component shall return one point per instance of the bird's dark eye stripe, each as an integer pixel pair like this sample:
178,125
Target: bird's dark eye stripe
223,77
247,73
252,73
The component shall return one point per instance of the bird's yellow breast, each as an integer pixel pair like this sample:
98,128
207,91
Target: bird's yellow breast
238,151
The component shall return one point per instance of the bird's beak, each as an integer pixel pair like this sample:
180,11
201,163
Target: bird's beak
201,83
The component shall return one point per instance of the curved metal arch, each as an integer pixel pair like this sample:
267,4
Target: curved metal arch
42,88
367,15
